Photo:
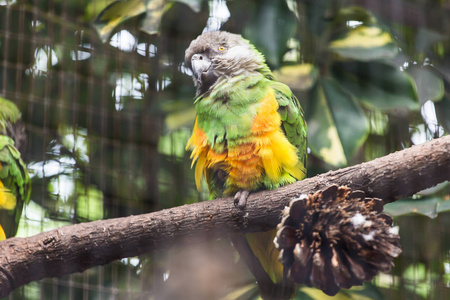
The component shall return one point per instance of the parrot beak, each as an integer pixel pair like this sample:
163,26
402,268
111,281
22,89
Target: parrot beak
200,64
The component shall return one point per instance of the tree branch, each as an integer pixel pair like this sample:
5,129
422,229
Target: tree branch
75,248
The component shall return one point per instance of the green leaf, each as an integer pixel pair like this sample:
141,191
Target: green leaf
177,119
365,43
354,13
117,13
430,85
443,112
174,143
416,279
426,38
8,113
317,15
378,85
155,11
120,11
95,7
299,76
356,34
337,125
90,203
429,207
270,26
443,206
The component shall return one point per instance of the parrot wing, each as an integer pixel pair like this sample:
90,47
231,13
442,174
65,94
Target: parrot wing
292,120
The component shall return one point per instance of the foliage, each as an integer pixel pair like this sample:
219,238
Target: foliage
120,11
107,102
355,54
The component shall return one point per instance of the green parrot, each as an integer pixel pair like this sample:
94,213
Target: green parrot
15,184
249,135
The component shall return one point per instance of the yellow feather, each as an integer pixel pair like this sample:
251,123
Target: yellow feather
199,169
7,200
272,168
298,172
2,234
265,153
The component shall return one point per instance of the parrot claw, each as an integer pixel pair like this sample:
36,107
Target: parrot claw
240,199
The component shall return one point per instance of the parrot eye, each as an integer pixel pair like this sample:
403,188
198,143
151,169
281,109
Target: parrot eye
221,48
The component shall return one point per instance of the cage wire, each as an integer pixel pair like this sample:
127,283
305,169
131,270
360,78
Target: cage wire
98,145
93,121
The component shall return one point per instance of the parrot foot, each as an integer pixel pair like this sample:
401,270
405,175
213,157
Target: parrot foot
240,199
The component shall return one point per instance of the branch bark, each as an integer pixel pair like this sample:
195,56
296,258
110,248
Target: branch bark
75,248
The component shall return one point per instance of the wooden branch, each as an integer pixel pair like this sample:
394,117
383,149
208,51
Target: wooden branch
75,248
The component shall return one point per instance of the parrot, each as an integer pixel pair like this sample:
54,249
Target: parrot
15,184
249,134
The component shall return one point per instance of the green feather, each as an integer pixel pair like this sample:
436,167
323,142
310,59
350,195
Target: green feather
292,118
234,120
226,113
9,113
13,174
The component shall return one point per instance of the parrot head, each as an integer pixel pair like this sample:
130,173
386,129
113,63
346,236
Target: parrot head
214,56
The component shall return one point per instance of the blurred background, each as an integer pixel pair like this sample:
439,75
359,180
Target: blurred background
108,107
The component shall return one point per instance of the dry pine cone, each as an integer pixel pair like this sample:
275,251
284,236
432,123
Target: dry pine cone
336,239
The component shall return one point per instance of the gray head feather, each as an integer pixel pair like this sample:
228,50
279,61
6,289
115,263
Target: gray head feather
230,55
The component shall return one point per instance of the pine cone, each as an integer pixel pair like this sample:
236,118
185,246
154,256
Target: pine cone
336,239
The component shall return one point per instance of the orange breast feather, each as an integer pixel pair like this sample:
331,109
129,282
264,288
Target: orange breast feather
266,153
272,146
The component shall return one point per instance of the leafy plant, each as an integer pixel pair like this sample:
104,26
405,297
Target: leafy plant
119,11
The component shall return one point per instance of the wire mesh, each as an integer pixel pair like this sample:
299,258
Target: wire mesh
93,124
97,118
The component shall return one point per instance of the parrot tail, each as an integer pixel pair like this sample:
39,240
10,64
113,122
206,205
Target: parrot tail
2,234
261,257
